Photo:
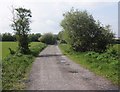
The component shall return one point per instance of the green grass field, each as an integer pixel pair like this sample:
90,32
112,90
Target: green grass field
13,46
104,64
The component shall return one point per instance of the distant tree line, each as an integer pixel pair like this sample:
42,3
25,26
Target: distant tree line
8,37
12,37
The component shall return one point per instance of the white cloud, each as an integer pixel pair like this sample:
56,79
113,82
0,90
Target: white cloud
50,22
47,14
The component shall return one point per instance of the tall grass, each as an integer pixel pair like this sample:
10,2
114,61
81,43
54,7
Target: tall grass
15,68
105,64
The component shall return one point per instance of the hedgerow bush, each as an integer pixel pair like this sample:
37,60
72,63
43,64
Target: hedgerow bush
84,33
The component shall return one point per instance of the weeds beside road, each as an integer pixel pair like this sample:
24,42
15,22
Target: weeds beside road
15,68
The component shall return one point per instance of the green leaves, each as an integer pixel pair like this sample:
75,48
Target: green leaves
21,22
84,33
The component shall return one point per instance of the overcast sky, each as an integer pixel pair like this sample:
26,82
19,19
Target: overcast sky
47,14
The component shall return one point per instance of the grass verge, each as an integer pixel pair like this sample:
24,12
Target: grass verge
15,68
104,64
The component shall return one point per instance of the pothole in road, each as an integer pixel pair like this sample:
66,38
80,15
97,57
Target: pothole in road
67,64
73,71
85,78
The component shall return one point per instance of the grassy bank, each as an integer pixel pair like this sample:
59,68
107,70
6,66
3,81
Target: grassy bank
104,64
15,68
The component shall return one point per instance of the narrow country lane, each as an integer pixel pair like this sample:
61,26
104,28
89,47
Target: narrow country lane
54,71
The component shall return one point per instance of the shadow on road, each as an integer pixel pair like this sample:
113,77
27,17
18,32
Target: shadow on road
50,55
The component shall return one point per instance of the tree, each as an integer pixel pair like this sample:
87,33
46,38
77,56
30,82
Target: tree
84,33
21,26
48,38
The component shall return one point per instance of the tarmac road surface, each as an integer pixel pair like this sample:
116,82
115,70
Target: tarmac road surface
54,71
